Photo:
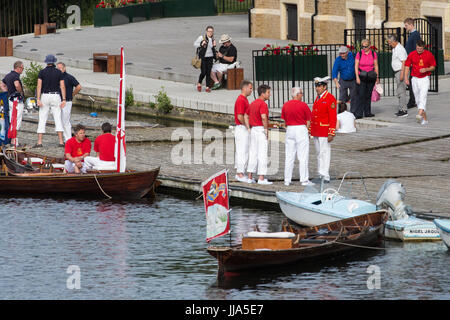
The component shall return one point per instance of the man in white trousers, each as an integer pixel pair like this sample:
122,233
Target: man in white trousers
72,88
323,126
258,121
422,63
241,131
50,89
12,84
297,117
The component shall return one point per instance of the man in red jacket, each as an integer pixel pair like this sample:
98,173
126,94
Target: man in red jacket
422,63
323,126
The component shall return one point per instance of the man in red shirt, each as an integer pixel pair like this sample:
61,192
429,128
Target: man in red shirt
258,120
323,126
76,150
104,147
297,117
421,62
241,131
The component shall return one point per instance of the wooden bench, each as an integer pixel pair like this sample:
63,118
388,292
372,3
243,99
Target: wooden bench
6,47
234,78
104,62
45,28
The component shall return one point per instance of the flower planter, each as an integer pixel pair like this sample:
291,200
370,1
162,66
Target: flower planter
279,67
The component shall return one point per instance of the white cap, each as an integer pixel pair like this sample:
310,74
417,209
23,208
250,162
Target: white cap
320,81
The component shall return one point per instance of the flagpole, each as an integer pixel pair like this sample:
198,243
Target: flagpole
119,115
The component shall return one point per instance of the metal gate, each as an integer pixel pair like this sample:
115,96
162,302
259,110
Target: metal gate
19,16
233,6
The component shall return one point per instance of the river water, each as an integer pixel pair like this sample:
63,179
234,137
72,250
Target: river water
156,250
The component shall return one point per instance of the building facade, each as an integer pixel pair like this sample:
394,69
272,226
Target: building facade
324,21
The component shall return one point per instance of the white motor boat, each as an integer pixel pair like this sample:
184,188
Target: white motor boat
443,226
311,208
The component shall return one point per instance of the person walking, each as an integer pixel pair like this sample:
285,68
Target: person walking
399,57
70,83
410,46
323,126
241,131
297,117
366,70
344,68
50,89
421,62
207,52
258,121
12,84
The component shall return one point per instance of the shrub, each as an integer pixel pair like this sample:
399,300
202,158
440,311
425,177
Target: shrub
30,78
163,102
129,97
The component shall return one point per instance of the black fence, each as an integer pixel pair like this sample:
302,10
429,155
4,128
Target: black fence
294,66
19,16
234,6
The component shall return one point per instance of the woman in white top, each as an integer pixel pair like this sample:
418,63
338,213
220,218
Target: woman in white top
207,52
345,120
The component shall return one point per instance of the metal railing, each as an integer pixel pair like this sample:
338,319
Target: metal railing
234,6
19,16
294,66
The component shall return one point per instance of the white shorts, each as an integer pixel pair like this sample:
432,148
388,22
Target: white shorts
70,167
220,67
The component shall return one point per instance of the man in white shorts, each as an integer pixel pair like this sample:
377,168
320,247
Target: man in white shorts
227,55
50,90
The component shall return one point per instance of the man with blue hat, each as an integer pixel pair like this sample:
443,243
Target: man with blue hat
50,96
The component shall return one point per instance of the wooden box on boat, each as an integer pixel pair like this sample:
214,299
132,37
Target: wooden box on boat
251,243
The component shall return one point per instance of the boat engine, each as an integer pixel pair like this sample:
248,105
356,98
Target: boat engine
390,197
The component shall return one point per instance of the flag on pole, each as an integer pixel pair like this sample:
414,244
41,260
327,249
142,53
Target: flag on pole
120,147
217,208
12,131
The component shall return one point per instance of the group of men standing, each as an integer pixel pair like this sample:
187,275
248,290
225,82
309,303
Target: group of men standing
54,93
252,133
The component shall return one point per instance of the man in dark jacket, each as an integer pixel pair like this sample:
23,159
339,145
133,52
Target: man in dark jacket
410,46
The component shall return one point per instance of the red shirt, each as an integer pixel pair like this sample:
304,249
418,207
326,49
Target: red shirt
295,113
77,149
418,61
104,145
240,107
256,109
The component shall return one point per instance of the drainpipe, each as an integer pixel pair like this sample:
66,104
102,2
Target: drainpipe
316,2
386,18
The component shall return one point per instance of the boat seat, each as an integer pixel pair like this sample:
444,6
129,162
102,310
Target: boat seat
58,166
33,161
257,234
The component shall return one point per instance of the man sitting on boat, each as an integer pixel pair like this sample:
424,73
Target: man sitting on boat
76,150
104,146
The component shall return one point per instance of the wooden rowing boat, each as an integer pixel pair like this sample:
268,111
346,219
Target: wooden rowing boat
300,244
44,179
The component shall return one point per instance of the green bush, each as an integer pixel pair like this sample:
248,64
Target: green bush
30,78
129,97
163,102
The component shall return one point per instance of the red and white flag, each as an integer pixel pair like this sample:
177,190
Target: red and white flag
120,147
12,131
217,208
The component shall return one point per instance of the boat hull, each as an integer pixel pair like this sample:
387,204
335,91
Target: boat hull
444,229
128,185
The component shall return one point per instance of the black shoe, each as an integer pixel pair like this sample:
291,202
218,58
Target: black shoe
402,113
412,106
370,115
358,117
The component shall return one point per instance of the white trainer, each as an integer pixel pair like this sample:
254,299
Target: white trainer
424,122
265,181
241,179
308,183
287,183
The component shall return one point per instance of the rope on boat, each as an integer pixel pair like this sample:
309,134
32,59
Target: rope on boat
358,246
98,183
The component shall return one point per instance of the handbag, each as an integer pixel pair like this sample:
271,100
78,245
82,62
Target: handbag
196,62
375,95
